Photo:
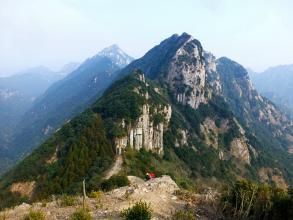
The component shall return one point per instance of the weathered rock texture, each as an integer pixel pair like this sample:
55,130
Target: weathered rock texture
183,138
239,149
145,132
23,188
187,74
267,174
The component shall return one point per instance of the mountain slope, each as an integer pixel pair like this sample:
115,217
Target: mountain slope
182,122
17,94
64,99
194,77
255,111
276,83
61,162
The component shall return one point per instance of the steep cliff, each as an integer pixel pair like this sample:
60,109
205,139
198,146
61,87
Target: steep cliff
147,130
187,75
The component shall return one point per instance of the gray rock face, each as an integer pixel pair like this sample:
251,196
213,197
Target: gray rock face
183,140
212,76
145,132
187,74
239,149
192,74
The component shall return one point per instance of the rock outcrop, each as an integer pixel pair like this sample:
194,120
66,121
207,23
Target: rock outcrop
145,133
148,130
23,188
183,138
210,132
267,174
187,74
192,74
212,78
239,149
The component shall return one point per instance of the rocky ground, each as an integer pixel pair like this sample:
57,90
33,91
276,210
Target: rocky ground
162,193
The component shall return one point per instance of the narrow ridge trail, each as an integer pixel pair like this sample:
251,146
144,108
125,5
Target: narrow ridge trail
117,166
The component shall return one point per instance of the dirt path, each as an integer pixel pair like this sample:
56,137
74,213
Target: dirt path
115,168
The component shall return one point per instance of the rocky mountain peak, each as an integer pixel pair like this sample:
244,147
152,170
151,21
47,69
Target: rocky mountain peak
180,62
187,74
117,55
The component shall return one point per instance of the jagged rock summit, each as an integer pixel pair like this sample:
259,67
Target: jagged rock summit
181,63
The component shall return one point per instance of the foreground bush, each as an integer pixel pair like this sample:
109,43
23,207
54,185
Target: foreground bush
183,215
34,215
66,200
115,181
95,194
81,215
140,211
247,200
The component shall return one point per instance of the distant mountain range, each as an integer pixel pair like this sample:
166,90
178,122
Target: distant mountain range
177,110
276,83
18,92
64,99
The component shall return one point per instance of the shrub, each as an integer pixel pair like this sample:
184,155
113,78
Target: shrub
247,200
66,200
34,215
183,215
140,211
115,182
96,194
81,214
186,196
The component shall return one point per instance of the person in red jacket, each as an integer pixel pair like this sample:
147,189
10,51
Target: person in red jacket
150,176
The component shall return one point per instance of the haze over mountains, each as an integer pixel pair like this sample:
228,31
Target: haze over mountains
276,83
177,110
18,92
64,99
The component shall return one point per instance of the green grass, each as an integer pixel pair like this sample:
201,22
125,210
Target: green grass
34,215
140,211
81,214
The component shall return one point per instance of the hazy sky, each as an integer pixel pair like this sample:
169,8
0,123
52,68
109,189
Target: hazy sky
256,33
